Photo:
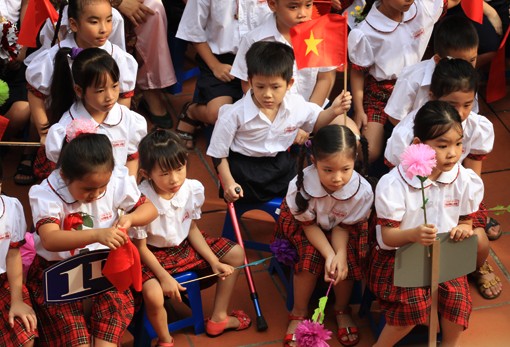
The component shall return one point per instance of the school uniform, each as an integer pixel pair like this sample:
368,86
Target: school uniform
411,91
12,235
112,311
452,197
222,27
124,128
304,79
167,235
348,208
382,48
257,148
10,9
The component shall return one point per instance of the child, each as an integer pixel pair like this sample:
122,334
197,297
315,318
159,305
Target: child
173,243
454,37
93,96
455,81
18,320
325,216
91,23
398,202
390,26
215,33
85,185
250,141
314,84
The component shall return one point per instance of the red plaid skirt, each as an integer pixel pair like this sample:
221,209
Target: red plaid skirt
65,324
310,259
184,257
42,165
375,97
18,335
411,306
480,217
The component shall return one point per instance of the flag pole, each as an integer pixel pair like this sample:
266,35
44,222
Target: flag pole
345,89
346,64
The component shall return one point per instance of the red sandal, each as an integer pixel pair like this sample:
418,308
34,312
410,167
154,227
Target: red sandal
291,337
215,329
164,344
345,332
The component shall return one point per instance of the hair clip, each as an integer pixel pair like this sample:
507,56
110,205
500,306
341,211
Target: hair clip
74,52
80,126
308,143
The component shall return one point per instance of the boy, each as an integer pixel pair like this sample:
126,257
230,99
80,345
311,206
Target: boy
251,137
455,37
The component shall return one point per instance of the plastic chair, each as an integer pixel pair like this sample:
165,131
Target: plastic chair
142,329
178,51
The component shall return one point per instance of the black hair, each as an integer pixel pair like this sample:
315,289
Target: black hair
84,154
435,119
90,68
270,59
454,33
328,140
163,148
452,75
367,7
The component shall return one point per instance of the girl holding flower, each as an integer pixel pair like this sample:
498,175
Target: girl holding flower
451,193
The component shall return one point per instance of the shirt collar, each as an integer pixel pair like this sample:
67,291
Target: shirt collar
447,177
381,23
252,111
59,187
268,29
113,118
314,188
427,76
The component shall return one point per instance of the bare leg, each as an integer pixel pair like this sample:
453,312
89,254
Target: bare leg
495,286
154,98
153,299
343,291
375,137
391,334
451,333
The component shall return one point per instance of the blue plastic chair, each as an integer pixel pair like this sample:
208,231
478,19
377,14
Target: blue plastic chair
178,50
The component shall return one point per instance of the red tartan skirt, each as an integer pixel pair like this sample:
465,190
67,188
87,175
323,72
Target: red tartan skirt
65,324
375,97
42,165
480,217
411,306
184,257
310,259
18,335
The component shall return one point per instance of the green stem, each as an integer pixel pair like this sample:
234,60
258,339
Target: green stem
424,206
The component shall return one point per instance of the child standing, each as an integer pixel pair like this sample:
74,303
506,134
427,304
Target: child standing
84,184
250,141
400,217
91,94
324,215
390,26
173,243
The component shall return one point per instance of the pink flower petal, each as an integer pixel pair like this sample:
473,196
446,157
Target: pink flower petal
418,160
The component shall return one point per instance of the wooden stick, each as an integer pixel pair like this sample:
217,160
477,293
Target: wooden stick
434,283
21,144
345,89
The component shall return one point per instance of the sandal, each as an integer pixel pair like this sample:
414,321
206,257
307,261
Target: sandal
25,168
289,338
492,223
164,121
342,334
187,136
215,329
484,283
164,344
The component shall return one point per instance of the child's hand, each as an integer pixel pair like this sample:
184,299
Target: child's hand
336,4
342,102
171,288
124,222
301,137
233,192
224,270
25,313
112,238
222,72
361,119
460,232
425,234
336,269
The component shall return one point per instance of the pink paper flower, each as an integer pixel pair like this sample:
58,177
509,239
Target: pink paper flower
418,160
80,126
312,334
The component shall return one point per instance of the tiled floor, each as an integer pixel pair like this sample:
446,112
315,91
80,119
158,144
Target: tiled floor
490,320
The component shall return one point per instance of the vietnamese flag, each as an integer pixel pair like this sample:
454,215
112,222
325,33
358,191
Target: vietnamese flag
321,42
473,9
37,12
496,84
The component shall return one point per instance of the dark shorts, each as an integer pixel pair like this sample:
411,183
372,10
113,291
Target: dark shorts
15,79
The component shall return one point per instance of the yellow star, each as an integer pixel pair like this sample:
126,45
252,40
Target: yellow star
312,43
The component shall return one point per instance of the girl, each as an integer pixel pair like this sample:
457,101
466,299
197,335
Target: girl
173,243
18,320
325,216
390,26
456,81
93,96
400,217
83,185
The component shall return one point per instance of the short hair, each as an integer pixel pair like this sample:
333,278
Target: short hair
454,33
270,59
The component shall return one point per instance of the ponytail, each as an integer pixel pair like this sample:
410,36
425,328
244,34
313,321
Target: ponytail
62,87
63,4
301,202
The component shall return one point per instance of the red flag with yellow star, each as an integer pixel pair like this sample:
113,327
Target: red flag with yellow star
321,42
36,14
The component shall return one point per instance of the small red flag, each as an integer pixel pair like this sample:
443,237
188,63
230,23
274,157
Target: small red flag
37,12
473,9
4,122
496,84
321,42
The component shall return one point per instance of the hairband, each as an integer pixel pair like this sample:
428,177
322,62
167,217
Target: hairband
80,126
74,52
308,143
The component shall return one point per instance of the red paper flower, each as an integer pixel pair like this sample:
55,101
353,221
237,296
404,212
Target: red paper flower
76,221
418,160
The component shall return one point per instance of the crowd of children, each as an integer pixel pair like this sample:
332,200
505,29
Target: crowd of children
98,157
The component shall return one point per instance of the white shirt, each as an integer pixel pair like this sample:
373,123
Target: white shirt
349,205
10,9
40,71
124,128
175,215
478,137
214,22
385,46
12,227
244,129
455,193
52,199
304,79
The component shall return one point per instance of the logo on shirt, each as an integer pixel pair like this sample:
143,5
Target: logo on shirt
290,129
186,216
418,33
105,216
339,214
6,235
118,143
451,203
